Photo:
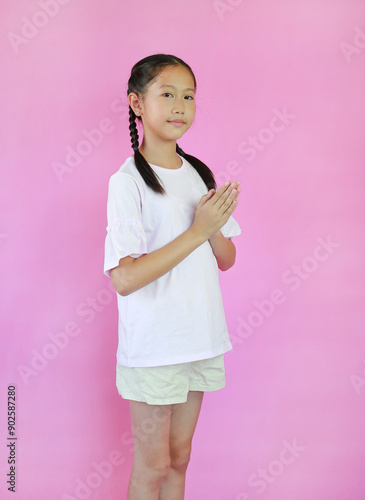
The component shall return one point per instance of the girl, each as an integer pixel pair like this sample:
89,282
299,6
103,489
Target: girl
169,230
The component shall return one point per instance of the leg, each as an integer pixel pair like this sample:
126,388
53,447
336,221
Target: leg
151,454
184,418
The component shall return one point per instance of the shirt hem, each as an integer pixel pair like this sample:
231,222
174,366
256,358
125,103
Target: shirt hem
142,363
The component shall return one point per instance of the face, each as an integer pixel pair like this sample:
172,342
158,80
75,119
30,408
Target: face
170,97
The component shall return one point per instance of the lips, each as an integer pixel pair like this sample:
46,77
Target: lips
177,123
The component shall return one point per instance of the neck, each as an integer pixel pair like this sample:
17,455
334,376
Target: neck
164,154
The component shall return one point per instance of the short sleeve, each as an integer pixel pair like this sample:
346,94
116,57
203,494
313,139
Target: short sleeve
125,232
231,228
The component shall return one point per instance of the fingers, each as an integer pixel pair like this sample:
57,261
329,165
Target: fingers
225,189
206,197
231,202
226,195
230,184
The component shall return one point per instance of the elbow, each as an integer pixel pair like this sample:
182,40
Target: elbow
124,277
225,266
120,285
122,289
227,263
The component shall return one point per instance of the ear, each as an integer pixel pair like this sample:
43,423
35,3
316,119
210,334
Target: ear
135,104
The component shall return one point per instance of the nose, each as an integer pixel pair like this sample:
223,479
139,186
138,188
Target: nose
179,106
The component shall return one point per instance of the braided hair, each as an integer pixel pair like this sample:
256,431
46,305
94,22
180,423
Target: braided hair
142,74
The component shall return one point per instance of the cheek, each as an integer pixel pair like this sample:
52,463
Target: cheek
156,114
161,110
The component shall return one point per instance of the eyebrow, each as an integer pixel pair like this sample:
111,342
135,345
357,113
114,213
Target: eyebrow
171,86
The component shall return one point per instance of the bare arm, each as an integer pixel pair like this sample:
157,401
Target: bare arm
223,248
212,213
224,251
132,274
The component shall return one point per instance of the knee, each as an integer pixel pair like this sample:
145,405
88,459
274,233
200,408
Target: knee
180,457
159,469
152,471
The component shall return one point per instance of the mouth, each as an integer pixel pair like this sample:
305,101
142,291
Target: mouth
177,123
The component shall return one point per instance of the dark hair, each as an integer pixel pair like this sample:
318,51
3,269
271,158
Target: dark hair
142,75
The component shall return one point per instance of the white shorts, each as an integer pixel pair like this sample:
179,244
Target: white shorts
170,384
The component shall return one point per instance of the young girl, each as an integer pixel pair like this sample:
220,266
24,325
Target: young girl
169,230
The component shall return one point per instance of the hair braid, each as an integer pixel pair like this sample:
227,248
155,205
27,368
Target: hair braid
179,151
203,170
133,129
151,179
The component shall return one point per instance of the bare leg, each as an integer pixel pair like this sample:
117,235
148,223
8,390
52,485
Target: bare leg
151,454
184,418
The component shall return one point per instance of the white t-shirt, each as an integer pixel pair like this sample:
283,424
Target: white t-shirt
179,317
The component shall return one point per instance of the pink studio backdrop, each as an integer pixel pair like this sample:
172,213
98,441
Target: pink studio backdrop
280,107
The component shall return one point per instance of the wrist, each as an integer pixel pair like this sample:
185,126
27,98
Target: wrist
196,236
215,236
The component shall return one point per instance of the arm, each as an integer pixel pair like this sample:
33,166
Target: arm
133,274
212,213
224,250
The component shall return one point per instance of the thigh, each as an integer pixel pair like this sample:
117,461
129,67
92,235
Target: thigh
184,418
151,432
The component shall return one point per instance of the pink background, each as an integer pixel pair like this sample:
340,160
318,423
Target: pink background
290,422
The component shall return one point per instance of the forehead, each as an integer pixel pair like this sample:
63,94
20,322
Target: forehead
176,76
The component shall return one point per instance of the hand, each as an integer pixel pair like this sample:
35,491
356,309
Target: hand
215,208
234,185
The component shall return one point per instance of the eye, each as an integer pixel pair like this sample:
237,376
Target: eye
190,98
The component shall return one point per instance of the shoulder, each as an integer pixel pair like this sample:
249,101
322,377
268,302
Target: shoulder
126,178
